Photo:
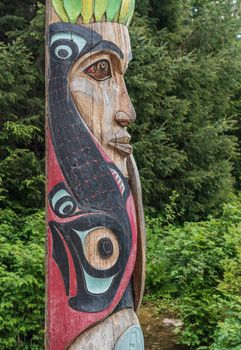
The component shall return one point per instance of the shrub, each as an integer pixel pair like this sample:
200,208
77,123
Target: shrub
198,265
21,281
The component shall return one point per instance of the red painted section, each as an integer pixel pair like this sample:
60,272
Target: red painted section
65,324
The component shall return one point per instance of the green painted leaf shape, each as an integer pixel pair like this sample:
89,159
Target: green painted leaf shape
87,11
73,9
59,9
100,9
112,9
126,12
131,13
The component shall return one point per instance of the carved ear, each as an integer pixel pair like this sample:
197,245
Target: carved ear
140,266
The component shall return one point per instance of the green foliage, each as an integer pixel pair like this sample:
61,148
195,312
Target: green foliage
227,335
165,12
21,121
198,265
22,229
183,85
21,281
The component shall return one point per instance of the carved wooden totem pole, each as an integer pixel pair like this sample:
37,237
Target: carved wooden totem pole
96,234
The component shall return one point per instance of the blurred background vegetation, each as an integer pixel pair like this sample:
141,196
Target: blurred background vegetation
185,83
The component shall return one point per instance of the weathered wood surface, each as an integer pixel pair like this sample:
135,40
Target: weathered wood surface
105,335
140,266
96,93
101,102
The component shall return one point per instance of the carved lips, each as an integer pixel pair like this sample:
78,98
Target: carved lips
121,142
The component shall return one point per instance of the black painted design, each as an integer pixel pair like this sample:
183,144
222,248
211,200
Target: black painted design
61,258
107,45
126,301
105,248
90,198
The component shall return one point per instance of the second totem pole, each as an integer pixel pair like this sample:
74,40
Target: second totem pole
96,233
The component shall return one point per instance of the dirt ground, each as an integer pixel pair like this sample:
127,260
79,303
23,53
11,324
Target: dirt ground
158,336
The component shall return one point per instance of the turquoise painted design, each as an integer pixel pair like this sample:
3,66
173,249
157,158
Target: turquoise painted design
131,339
80,42
67,204
97,285
82,235
60,194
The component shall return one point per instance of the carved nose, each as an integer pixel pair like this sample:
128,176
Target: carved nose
124,119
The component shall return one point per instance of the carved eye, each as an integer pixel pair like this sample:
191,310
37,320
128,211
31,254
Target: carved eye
63,204
99,70
101,248
63,51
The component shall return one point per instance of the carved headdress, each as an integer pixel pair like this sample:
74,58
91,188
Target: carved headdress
89,11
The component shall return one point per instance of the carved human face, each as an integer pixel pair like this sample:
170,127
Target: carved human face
97,84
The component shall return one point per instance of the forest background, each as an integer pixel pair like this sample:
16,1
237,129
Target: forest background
185,83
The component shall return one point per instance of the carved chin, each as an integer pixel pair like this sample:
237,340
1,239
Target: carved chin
124,149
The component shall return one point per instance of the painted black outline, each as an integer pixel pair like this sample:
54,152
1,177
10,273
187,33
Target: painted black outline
88,176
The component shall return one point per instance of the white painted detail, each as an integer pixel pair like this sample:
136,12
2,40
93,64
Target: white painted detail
63,47
80,42
118,180
60,194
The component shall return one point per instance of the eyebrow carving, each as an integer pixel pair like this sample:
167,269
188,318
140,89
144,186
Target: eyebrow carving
108,45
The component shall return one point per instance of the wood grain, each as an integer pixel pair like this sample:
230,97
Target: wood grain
99,103
105,335
91,249
140,266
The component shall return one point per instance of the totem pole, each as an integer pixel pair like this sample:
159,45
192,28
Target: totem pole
96,233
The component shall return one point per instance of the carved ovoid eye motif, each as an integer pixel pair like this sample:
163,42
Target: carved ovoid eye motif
99,70
101,248
63,52
63,204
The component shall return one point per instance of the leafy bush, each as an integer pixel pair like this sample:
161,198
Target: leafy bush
227,336
21,281
198,264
